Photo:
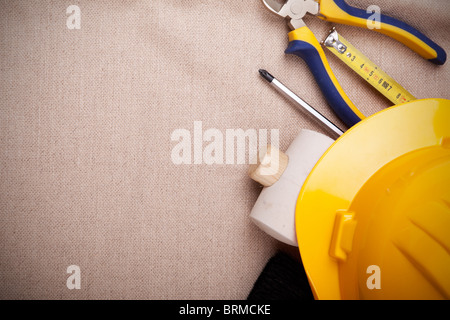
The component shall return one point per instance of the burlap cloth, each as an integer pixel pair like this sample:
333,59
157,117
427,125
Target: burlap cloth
86,116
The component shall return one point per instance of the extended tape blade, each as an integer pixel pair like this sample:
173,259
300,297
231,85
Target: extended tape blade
366,69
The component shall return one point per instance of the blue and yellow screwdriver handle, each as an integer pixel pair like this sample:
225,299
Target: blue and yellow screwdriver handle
304,44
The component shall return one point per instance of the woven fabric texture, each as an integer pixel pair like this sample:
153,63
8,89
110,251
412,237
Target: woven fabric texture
86,120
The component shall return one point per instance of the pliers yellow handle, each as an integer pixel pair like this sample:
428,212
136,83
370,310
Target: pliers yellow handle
304,44
340,12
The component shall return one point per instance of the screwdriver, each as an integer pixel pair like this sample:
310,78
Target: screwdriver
299,102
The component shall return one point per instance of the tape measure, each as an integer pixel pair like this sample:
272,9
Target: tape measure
366,69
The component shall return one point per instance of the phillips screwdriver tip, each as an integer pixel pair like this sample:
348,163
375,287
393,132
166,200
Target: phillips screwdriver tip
266,75
299,102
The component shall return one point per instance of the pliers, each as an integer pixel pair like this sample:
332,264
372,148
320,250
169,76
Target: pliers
304,44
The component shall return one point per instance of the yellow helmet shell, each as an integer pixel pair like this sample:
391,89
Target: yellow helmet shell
373,216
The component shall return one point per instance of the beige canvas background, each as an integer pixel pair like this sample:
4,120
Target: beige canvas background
86,176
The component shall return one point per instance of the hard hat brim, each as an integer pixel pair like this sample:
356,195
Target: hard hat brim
346,166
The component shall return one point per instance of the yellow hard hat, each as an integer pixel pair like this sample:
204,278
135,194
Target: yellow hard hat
373,216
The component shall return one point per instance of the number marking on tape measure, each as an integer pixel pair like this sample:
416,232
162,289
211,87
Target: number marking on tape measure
368,70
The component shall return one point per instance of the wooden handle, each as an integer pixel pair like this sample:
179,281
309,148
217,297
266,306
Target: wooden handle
270,165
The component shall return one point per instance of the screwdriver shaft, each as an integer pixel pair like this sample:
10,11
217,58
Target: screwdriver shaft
299,102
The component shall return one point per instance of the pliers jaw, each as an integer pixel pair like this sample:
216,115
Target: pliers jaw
294,10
